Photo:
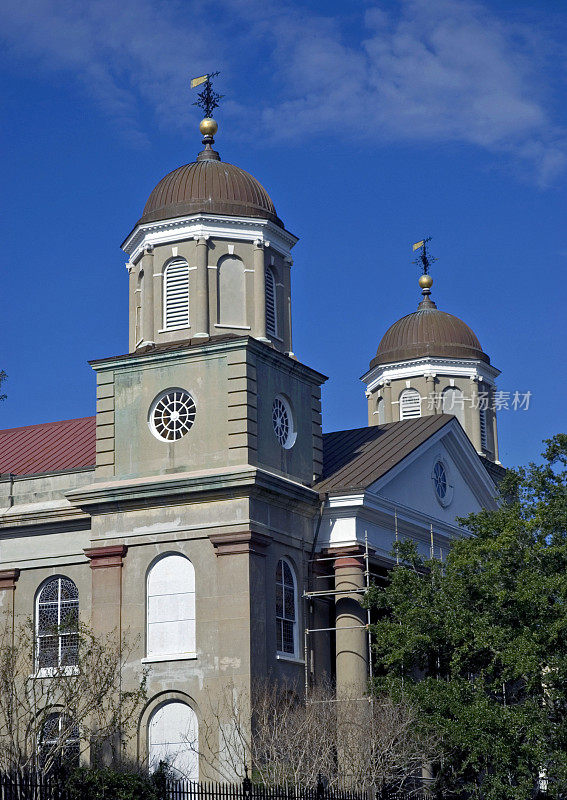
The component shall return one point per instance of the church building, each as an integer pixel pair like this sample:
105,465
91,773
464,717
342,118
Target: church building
203,510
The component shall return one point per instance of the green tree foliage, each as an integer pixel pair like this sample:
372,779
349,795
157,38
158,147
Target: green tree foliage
479,643
3,377
112,784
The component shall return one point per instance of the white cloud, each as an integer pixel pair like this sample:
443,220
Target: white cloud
423,70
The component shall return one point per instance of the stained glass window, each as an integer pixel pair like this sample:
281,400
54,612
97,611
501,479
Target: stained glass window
59,741
286,615
57,640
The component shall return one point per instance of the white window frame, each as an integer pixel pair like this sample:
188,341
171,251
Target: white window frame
183,745
174,655
404,412
65,669
178,292
283,654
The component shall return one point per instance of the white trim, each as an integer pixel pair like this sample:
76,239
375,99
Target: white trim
51,672
291,659
237,327
246,229
453,367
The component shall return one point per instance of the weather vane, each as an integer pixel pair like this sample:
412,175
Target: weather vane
424,259
208,99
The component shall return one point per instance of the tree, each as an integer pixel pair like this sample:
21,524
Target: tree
358,742
53,715
479,643
3,377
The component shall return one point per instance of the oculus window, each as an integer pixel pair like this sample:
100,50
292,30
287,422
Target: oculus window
172,415
282,421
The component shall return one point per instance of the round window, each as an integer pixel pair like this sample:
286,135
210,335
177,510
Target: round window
172,415
443,489
282,420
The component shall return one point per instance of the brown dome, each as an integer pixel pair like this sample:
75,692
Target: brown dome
209,186
428,332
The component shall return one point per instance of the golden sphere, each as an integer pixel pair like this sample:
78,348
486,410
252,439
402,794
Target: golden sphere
208,126
425,281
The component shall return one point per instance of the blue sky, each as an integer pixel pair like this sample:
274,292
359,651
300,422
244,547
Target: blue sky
371,124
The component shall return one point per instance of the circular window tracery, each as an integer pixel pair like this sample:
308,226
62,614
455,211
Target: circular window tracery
172,415
440,480
282,420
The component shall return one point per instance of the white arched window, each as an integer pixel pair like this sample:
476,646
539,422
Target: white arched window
231,292
57,619
286,610
271,311
454,403
173,732
176,295
381,411
410,404
171,608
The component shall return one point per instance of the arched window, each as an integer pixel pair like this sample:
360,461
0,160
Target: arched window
57,619
173,732
454,403
231,292
410,404
381,411
176,295
271,310
286,610
59,741
483,428
171,608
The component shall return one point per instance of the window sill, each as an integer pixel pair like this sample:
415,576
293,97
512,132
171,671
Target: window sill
290,658
175,328
173,657
56,672
233,327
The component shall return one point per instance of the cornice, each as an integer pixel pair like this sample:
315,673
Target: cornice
455,367
191,487
65,518
247,229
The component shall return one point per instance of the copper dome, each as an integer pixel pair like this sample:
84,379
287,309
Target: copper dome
211,186
428,332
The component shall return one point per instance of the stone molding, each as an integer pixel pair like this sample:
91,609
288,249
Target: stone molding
234,542
8,578
110,556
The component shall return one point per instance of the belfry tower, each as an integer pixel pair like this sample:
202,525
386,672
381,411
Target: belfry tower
431,362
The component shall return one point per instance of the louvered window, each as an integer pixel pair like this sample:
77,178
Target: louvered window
271,317
286,611
176,295
410,404
483,429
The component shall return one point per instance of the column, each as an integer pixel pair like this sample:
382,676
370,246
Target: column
430,400
494,424
8,578
132,305
387,395
202,288
475,416
148,295
288,343
259,292
106,566
350,622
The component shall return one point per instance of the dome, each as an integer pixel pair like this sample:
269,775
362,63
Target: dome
428,332
211,186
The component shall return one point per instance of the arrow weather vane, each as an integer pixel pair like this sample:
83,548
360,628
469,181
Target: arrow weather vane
208,99
424,259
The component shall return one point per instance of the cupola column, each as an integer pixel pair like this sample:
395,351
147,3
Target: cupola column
430,399
259,292
148,296
475,416
202,288
288,343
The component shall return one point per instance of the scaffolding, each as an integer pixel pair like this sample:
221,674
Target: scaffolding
330,593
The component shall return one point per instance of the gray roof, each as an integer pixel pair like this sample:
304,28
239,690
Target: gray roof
353,460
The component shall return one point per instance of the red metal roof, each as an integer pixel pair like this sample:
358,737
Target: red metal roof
50,447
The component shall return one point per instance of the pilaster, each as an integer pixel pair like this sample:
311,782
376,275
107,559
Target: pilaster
202,288
259,291
106,566
148,295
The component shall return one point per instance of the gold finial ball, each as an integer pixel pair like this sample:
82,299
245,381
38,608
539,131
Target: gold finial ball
425,281
208,126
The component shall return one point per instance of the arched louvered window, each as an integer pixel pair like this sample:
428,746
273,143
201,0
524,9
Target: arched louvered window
286,609
231,292
176,295
173,732
59,742
454,403
410,404
271,309
57,619
483,428
171,608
